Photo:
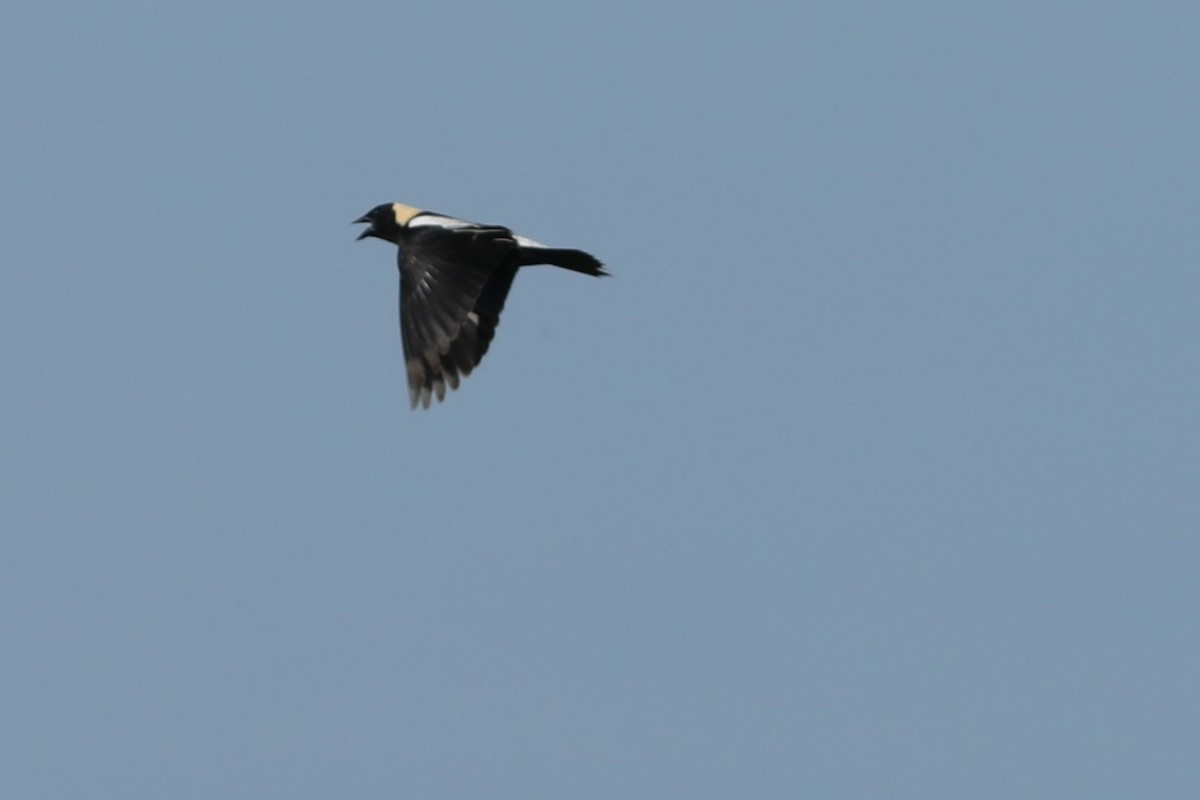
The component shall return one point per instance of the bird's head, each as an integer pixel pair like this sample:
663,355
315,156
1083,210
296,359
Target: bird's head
387,221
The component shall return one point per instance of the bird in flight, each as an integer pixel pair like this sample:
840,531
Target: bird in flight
454,277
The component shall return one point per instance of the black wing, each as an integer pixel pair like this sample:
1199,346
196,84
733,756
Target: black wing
453,283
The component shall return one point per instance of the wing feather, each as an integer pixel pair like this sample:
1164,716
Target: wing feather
453,283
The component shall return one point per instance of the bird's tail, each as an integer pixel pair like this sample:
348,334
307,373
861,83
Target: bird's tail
574,260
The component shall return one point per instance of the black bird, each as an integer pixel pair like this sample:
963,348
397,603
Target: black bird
454,277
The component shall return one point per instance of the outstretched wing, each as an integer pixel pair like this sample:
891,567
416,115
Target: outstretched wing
453,283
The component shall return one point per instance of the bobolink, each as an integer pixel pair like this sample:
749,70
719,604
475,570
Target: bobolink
454,277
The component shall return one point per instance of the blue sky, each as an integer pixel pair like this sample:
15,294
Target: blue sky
872,472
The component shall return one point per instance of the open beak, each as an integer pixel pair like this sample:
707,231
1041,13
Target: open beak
361,220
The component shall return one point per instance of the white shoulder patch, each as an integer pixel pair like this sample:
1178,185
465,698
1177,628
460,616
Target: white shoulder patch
428,218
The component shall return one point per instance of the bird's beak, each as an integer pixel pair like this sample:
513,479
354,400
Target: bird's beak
361,220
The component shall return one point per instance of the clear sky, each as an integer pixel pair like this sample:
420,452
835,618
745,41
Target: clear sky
871,472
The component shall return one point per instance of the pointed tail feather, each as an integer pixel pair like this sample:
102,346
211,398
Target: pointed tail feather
574,260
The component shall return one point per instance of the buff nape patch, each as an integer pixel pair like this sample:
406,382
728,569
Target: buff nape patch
404,213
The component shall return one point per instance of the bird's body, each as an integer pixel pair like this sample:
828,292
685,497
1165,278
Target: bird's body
454,278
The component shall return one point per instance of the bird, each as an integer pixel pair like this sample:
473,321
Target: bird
454,278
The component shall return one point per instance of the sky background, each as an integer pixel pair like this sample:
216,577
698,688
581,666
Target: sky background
871,472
